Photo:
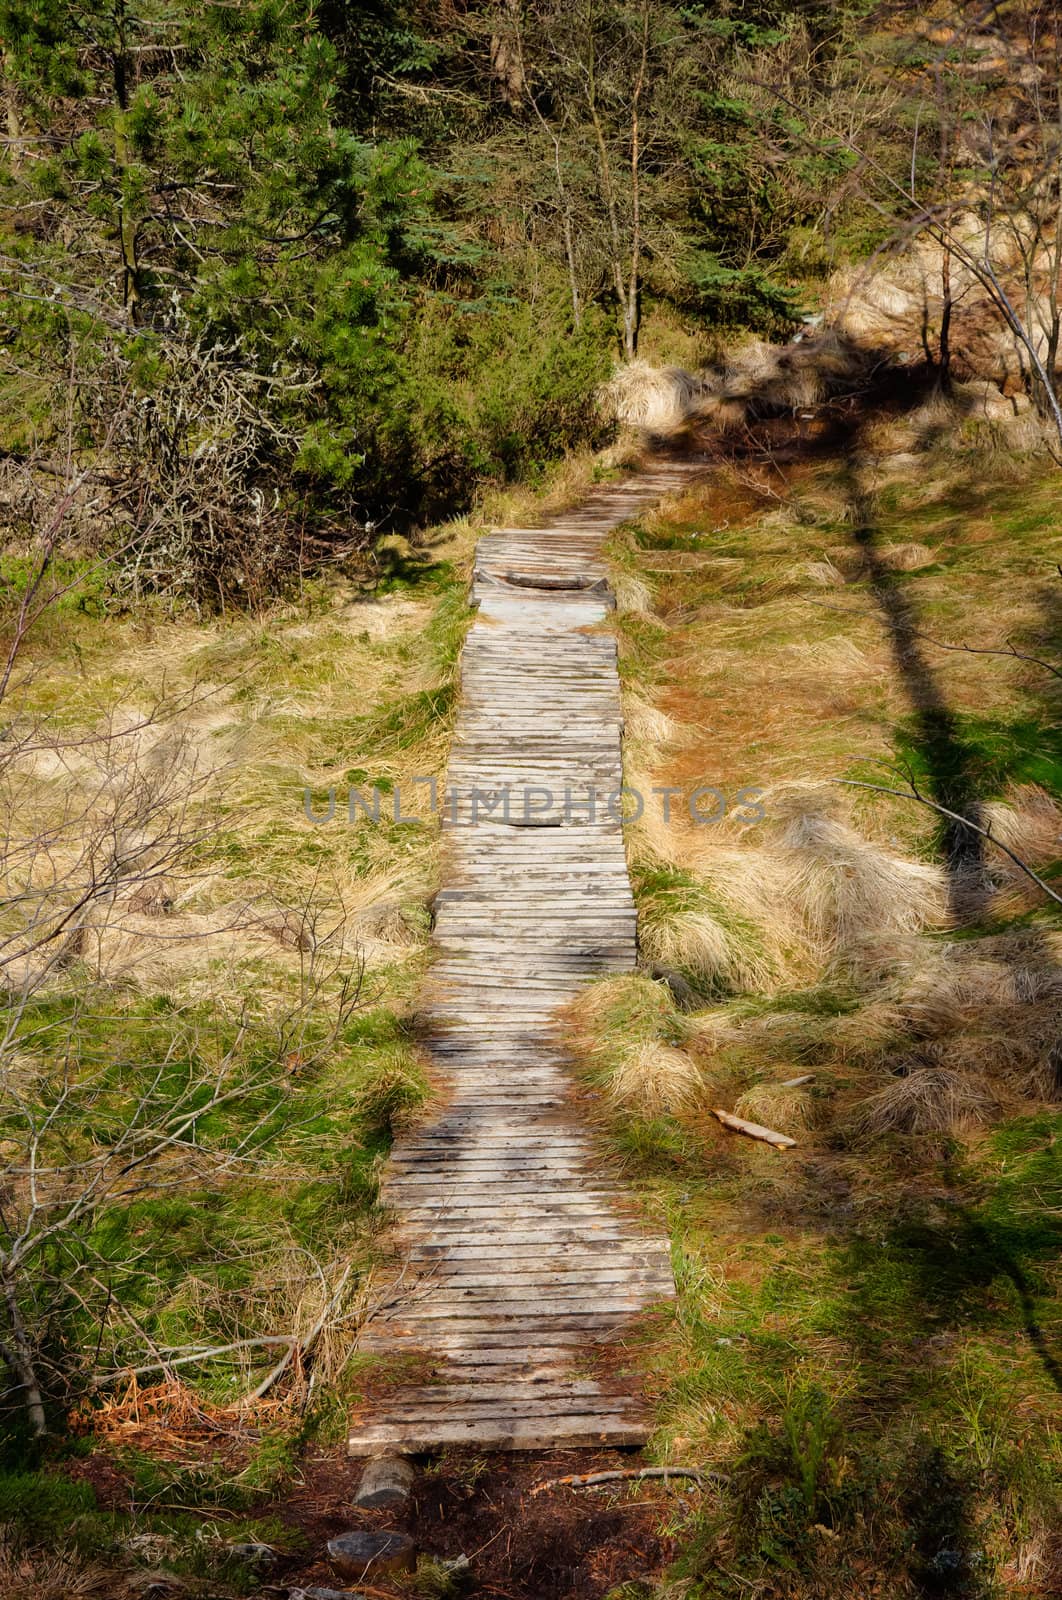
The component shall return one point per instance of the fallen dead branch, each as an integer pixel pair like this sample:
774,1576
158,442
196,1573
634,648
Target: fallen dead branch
588,1480
753,1130
302,1347
103,1380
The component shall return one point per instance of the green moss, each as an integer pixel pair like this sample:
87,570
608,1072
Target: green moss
44,1504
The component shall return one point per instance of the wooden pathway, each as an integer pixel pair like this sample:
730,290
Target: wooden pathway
514,1259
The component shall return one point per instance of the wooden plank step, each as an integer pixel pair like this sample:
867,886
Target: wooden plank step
443,1304
521,1402
500,1251
497,1392
512,1331
578,1432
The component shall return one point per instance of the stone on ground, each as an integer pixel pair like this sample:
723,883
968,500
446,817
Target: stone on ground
365,1555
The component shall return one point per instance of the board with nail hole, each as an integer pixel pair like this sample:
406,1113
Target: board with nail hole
518,1259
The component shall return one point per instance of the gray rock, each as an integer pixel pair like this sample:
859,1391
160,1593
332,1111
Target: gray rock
682,991
458,1569
365,1555
326,1594
256,1555
385,1482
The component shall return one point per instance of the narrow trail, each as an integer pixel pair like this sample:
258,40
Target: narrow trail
516,1267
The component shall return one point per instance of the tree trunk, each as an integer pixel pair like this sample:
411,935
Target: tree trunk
563,198
944,354
14,125
126,226
631,307
607,191
630,322
19,1357
569,243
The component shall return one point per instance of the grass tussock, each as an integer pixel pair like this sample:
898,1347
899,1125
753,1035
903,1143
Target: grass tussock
927,1100
683,926
655,399
634,595
665,401
644,724
629,1034
844,885
1029,822
786,1110
651,1078
988,1010
803,893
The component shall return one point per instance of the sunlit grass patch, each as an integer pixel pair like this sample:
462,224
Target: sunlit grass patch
864,1343
683,925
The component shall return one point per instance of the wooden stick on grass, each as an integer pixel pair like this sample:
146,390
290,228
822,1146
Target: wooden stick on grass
753,1130
588,1479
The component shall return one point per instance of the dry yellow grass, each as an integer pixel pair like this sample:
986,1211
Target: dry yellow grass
645,724
656,399
250,712
700,944
772,1106
634,595
652,1078
1029,822
835,892
909,557
630,1035
662,401
805,883
60,1576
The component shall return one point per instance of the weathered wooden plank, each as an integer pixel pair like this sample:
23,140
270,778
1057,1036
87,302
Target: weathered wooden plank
510,1400
435,1297
495,1392
578,1432
546,1237
502,1251
490,1329
565,1283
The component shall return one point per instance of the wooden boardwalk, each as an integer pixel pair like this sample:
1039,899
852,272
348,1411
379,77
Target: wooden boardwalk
515,1262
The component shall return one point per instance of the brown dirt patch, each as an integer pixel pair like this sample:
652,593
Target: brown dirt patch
565,1544
562,1544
